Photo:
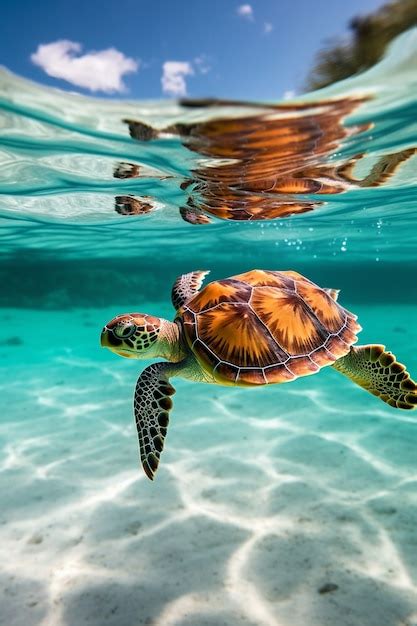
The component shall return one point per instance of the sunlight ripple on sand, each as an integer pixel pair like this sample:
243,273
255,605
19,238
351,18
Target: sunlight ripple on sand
262,500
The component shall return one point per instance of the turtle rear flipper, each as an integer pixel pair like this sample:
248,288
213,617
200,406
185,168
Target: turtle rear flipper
378,371
386,167
186,287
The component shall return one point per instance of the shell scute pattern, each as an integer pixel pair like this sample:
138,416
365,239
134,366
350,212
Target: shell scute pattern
264,327
291,322
324,307
215,293
261,278
235,335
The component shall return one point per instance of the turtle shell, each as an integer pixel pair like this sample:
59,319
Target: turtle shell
265,327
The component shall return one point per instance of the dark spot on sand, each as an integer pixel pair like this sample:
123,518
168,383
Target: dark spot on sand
209,493
113,610
386,510
35,539
11,341
328,588
134,528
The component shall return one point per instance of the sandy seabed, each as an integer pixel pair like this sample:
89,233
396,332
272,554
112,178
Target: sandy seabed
283,506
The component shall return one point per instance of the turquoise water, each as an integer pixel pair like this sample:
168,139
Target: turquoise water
284,505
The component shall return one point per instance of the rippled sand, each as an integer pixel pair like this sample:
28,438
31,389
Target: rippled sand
287,506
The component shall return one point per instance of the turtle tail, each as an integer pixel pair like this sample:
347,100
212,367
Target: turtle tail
378,371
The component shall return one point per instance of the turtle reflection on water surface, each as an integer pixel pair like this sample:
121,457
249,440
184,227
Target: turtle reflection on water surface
262,162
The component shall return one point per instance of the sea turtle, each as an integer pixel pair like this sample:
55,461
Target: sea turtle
256,328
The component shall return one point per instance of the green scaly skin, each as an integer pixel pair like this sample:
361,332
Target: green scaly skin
172,346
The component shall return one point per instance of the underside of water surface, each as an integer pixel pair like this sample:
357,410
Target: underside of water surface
284,505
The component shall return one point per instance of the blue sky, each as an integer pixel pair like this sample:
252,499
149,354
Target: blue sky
161,48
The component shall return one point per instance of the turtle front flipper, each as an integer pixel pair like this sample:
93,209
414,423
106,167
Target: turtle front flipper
131,205
192,215
378,371
186,286
144,132
141,131
152,404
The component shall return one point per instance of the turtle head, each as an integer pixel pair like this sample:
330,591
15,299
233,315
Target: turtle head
132,335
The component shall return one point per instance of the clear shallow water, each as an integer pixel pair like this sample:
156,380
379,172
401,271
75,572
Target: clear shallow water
60,151
263,496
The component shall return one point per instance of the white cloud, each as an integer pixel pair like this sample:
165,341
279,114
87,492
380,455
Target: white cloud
245,10
173,77
97,71
289,94
202,64
268,28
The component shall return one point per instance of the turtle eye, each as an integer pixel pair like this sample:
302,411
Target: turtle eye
123,331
